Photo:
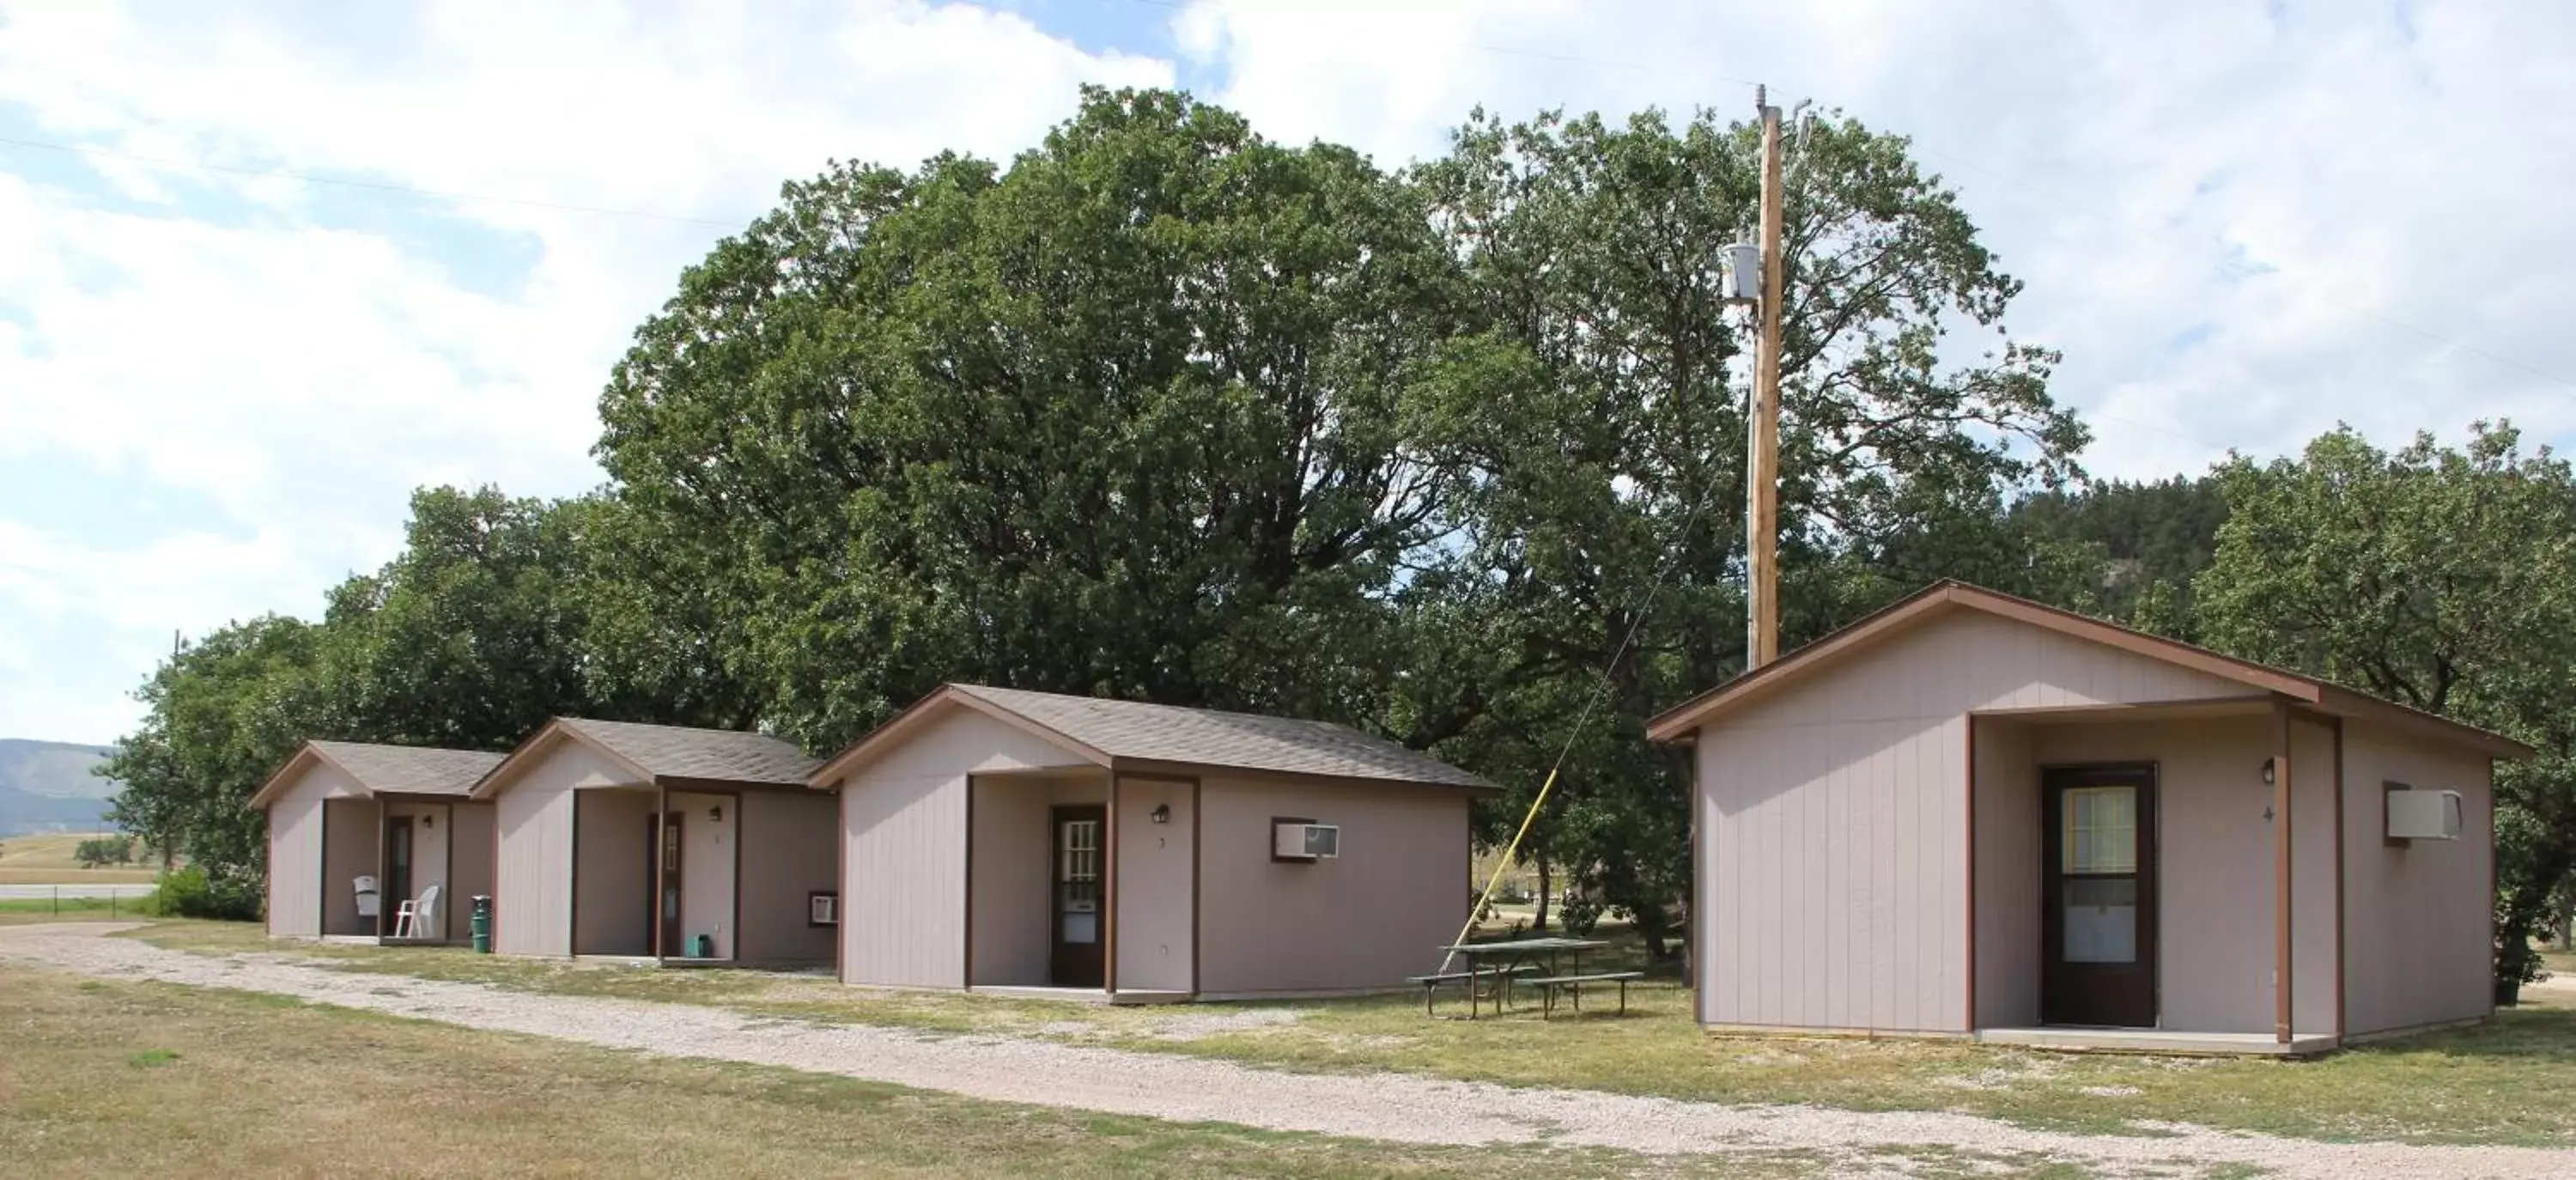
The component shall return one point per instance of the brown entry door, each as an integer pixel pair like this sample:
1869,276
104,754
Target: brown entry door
665,908
396,887
1078,907
2098,885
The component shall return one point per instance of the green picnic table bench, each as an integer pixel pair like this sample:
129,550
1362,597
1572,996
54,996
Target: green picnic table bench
1473,979
1572,985
1504,961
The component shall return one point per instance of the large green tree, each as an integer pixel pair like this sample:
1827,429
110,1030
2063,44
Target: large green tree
1140,414
220,715
1606,447
2443,579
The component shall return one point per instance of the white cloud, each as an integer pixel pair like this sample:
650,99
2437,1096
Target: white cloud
214,334
2339,217
2236,228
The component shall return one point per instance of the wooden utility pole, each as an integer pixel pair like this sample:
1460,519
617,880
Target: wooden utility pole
1762,460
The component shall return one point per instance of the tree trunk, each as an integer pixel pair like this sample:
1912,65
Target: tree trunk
1545,883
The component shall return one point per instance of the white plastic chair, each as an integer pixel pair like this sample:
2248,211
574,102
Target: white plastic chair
413,917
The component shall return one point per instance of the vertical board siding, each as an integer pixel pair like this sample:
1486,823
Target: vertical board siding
2314,940
1154,869
903,821
612,873
532,894
707,869
470,866
430,839
1013,906
2214,946
2008,873
2417,947
1827,924
1834,823
1380,912
349,851
789,845
295,868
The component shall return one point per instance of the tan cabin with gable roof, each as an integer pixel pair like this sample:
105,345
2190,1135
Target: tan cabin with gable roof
661,842
1031,843
355,829
1973,815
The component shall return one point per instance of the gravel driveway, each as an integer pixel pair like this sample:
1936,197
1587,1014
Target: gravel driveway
1374,1106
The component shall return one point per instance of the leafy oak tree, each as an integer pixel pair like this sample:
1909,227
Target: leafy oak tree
2443,579
220,715
1607,447
1141,414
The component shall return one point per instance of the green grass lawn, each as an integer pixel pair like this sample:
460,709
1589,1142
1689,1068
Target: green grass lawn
2512,1081
114,1079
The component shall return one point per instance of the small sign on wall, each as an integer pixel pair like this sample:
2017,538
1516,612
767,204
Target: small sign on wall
822,909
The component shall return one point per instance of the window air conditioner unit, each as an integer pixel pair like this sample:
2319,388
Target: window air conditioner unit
1301,840
2423,815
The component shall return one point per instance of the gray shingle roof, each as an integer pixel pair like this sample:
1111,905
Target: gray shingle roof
409,770
1241,741
671,751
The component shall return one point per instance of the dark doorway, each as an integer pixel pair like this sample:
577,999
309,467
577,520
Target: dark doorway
2098,893
397,884
662,890
1078,906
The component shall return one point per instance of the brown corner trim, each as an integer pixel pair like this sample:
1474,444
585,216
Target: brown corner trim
1198,870
1968,788
2283,880
572,883
966,964
1109,892
2342,932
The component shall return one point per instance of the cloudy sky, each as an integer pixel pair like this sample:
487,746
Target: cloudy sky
265,267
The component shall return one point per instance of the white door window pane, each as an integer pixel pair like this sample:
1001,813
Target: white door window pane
2099,830
2101,920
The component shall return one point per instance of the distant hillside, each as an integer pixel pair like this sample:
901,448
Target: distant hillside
47,786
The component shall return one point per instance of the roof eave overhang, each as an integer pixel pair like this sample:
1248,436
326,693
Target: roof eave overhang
876,743
528,752
268,792
1164,768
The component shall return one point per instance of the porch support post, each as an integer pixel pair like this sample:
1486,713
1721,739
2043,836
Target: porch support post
661,845
1109,892
2281,878
384,835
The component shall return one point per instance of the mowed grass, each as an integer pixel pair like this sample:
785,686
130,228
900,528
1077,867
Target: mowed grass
116,1079
2512,1081
49,859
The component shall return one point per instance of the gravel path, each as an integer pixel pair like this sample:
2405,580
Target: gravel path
1394,1107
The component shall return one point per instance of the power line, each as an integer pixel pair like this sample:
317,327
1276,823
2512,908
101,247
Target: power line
370,185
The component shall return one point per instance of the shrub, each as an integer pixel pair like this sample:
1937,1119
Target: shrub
1580,914
191,893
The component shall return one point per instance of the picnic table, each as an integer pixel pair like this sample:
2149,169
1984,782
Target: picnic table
1491,967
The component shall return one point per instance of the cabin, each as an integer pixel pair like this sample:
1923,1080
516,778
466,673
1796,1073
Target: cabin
1970,815
356,830
1034,844
672,844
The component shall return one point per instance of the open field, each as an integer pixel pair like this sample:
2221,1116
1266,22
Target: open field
82,909
2511,1082
45,860
116,1079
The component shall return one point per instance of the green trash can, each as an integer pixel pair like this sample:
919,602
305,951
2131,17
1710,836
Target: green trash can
703,948
482,924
